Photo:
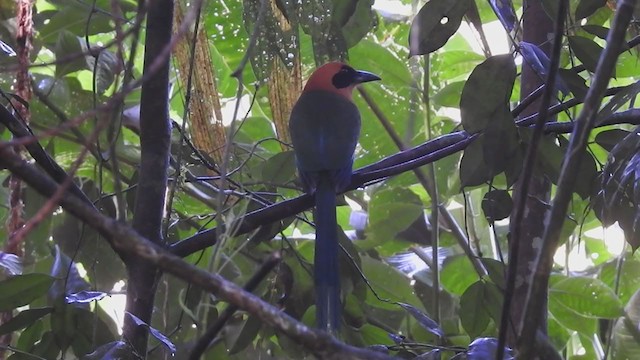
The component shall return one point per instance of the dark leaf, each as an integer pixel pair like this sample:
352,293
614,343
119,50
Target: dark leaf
434,24
626,95
487,92
576,83
425,321
280,168
106,70
496,271
586,8
587,51
497,205
587,172
20,290
473,168
84,297
30,336
608,139
68,45
473,314
355,18
599,31
24,319
246,336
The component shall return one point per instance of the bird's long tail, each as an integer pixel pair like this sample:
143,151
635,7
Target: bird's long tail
326,273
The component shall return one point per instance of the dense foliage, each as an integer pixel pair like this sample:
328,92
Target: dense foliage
425,251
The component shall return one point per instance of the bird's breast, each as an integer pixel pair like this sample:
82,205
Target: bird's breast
324,129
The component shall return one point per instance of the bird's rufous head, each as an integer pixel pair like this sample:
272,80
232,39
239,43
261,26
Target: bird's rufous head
339,78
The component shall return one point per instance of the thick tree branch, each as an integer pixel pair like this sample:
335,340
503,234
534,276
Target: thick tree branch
20,130
566,182
155,146
131,244
393,165
517,225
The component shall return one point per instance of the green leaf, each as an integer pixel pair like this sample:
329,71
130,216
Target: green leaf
30,336
24,319
496,271
473,315
449,96
587,51
434,24
626,337
388,283
106,70
355,17
571,319
401,205
458,274
280,168
586,8
20,290
587,297
599,31
67,45
73,18
486,93
628,281
456,63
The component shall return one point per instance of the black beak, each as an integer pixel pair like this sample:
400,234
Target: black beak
365,76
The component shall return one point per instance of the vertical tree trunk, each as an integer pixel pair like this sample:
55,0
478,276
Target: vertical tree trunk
538,30
155,141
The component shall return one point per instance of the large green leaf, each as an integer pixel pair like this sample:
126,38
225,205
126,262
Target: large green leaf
402,205
389,284
627,281
473,315
587,51
20,290
626,336
586,296
24,319
458,274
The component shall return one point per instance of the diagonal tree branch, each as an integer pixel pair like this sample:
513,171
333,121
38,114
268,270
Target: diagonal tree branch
130,244
566,182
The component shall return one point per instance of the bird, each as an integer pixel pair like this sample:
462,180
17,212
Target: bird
325,126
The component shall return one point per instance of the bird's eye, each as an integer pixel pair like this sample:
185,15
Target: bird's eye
344,78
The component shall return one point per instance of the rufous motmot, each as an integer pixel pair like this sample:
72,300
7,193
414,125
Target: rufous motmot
324,127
